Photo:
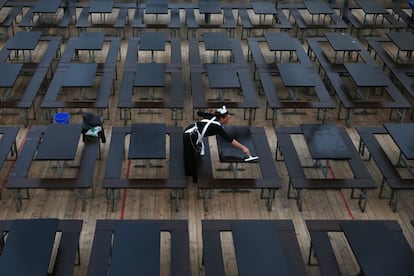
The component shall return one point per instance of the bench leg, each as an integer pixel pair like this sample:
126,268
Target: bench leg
176,194
381,192
395,196
269,196
312,255
362,199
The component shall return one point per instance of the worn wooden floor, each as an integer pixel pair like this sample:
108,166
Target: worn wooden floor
156,204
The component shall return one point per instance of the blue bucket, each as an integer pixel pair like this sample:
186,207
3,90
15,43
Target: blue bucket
61,118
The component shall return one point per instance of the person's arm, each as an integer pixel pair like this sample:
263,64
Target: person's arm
238,145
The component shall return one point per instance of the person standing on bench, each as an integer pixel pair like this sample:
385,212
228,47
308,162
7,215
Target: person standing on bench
209,125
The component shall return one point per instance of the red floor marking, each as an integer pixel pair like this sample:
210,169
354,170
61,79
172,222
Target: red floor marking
342,196
124,192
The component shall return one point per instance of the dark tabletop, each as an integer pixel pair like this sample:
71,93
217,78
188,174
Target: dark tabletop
258,248
229,153
295,75
280,41
221,76
377,251
403,40
342,41
80,75
9,73
136,249
152,41
101,6
325,142
147,141
28,247
60,142
317,7
403,136
90,41
217,41
156,7
149,75
366,75
24,40
209,7
47,6
264,7
371,7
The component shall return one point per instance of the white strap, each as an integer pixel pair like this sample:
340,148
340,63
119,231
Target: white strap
203,132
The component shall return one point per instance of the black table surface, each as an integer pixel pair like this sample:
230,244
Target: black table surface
152,41
342,41
90,41
367,75
403,136
24,40
136,249
217,41
325,142
377,251
9,73
101,6
317,7
280,41
80,75
47,6
264,7
221,76
371,7
28,247
156,7
295,75
259,249
147,141
149,75
209,7
229,153
60,142
403,40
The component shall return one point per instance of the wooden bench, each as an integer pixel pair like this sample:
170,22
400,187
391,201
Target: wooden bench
391,24
39,76
409,20
268,183
19,178
389,172
281,23
398,104
321,246
121,21
11,20
68,252
265,74
113,179
298,181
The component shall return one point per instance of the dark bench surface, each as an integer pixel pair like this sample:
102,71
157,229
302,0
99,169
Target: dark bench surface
113,178
271,240
143,244
376,250
59,142
322,246
32,240
19,178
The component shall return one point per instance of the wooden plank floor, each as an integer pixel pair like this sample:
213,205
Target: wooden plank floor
156,204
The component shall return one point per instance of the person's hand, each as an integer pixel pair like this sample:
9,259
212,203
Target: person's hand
246,151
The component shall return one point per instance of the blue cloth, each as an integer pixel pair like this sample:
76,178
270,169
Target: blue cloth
411,3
